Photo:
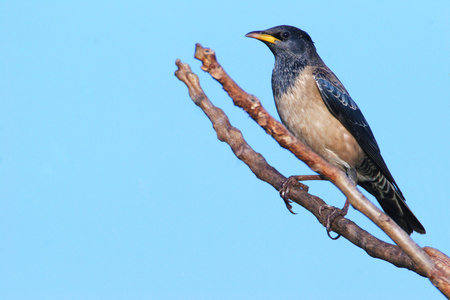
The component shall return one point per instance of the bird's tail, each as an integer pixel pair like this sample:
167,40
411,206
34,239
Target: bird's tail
389,196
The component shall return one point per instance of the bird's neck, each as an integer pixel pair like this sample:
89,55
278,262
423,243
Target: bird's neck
285,72
288,67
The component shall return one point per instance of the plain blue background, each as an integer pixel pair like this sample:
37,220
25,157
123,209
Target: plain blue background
114,186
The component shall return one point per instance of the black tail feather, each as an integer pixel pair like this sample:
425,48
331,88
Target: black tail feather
389,196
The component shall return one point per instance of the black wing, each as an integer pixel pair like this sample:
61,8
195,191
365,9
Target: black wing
342,106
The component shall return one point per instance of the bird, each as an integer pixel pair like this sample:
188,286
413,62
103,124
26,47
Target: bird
316,108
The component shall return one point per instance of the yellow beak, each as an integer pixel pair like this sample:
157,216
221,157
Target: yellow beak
262,37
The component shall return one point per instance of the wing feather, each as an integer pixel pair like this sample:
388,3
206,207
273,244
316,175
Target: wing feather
342,106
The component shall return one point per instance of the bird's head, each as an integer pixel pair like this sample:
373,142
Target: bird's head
285,40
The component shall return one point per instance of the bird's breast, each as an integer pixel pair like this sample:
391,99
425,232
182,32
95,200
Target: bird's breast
305,115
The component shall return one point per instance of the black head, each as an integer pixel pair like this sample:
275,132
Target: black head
293,49
286,40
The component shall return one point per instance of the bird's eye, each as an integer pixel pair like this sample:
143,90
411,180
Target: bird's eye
285,34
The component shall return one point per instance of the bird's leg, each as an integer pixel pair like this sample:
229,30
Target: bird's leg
294,181
351,173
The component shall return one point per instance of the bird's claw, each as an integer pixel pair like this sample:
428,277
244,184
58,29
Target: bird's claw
286,189
323,207
336,212
289,206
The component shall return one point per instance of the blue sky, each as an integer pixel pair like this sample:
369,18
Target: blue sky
114,186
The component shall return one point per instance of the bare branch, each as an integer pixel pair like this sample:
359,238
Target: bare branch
416,260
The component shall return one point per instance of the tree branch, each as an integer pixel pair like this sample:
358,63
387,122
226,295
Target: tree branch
409,255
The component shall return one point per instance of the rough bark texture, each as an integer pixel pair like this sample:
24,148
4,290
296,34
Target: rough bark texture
427,262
